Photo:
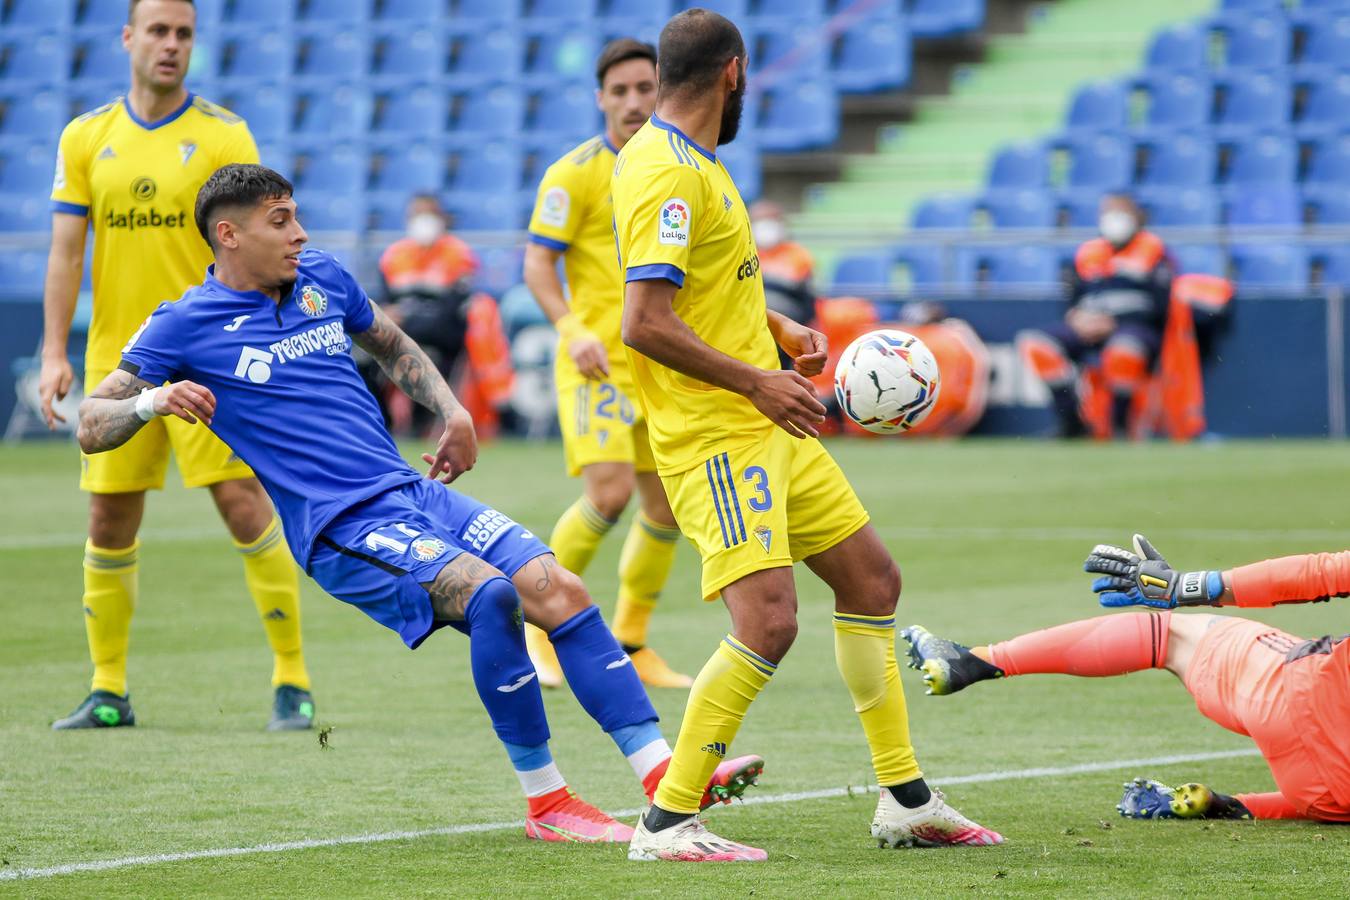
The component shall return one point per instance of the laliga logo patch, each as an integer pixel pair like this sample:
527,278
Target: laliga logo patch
674,225
428,548
312,301
553,209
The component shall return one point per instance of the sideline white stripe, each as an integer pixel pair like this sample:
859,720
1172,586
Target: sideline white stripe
386,836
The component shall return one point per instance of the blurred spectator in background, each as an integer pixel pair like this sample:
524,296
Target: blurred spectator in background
1117,310
787,266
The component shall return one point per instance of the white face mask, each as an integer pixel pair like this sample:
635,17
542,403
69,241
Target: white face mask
1117,226
425,228
768,233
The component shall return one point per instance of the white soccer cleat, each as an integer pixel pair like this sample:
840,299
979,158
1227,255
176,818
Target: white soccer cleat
935,824
689,841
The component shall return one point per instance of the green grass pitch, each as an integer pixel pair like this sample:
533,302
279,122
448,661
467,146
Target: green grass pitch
990,536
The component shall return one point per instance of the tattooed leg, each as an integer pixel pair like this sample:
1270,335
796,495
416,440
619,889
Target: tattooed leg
456,584
551,594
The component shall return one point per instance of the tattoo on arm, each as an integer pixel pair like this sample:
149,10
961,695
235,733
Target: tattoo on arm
108,416
407,365
545,563
455,584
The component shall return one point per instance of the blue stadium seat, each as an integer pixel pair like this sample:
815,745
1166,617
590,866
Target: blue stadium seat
1079,208
1180,159
862,275
1270,266
1173,206
1100,160
946,210
648,30
570,10
1330,162
1267,158
41,14
555,53
792,50
477,211
336,110
1020,165
1266,207
1253,5
40,58
325,166
1328,206
332,54
408,166
27,167
872,56
478,56
418,54
735,10
1012,266
264,15
742,162
1261,40
1025,208
1178,48
90,95
1335,263
269,110
101,57
24,211
1327,40
460,10
1179,100
1199,259
568,109
1255,100
661,9
24,113
330,211
1098,105
796,116
23,272
249,54
277,155
944,18
385,210
491,165
919,267
95,15
1326,107
340,12
800,10
541,150
419,109
497,109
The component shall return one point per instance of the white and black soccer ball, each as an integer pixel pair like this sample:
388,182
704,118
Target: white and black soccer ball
887,381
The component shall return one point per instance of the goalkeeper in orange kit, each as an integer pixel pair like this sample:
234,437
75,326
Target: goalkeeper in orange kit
1289,694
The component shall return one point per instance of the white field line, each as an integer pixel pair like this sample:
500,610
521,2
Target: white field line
124,862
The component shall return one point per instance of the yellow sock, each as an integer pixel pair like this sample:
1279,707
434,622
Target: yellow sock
644,565
731,679
864,648
578,534
110,582
274,583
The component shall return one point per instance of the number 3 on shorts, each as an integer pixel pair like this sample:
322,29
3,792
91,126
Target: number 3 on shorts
759,480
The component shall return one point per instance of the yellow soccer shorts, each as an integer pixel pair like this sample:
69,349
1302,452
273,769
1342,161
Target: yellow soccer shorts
763,505
140,464
600,423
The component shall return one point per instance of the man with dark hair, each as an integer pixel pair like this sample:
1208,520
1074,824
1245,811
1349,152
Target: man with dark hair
604,436
259,352
753,497
131,168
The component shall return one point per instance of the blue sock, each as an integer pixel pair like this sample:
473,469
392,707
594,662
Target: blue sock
502,672
632,738
527,759
600,673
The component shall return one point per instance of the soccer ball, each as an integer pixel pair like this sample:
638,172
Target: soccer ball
887,381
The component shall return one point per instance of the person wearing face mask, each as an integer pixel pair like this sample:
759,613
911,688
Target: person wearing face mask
786,265
1118,307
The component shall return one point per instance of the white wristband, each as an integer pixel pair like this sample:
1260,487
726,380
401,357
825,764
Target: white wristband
145,404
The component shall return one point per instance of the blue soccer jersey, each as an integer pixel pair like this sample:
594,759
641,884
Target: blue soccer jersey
289,399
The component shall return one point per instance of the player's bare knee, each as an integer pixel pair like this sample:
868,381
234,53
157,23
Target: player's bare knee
244,507
551,594
610,498
114,519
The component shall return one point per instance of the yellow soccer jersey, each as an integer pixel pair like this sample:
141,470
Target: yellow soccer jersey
678,216
137,182
572,213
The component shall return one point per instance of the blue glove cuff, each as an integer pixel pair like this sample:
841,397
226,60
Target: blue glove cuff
1214,586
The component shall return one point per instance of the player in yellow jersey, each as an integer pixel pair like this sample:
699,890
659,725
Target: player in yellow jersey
132,169
736,445
604,435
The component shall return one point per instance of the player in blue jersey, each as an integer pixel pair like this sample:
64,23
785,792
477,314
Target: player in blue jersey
260,353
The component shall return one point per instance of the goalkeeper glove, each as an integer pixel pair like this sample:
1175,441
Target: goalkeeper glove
1143,578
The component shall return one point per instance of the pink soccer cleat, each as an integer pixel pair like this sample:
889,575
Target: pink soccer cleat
576,820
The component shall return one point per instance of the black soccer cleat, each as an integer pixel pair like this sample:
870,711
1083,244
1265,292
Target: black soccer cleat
947,666
292,709
101,709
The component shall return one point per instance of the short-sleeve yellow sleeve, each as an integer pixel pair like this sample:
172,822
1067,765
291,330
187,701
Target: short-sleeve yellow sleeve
70,186
656,216
559,207
236,146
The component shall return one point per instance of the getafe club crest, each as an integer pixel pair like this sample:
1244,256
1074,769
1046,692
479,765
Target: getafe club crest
312,301
426,549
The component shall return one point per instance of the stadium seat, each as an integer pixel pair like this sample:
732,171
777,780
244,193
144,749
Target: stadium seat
1182,47
569,109
570,10
1178,101
1326,106
336,110
1327,40
1098,105
38,58
477,211
1261,40
496,109
480,57
948,210
40,113
1020,165
277,155
248,54
40,14
460,10
324,211
1179,159
27,167
1199,259
410,167
101,57
1328,206
1018,266
1101,161
22,272
1270,266
944,18
90,95
862,275
735,10
1251,100
742,162
1266,206
1267,158
418,54
1173,206
647,29
1334,262
800,115
617,9
385,210
541,149
264,15
872,56
332,54
799,10
1330,161
1078,208
420,109
554,54
919,267
787,51
1254,5
339,12
490,165
334,167
268,110
1025,208
24,211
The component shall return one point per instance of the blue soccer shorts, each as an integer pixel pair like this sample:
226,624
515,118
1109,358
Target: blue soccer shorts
377,554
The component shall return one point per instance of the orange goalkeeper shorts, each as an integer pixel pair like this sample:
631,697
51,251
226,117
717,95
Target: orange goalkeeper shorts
1290,696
